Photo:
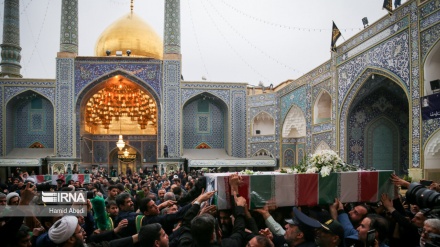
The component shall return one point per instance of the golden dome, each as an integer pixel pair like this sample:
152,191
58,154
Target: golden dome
132,33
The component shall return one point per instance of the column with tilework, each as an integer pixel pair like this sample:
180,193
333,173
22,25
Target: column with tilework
171,135
10,64
64,101
69,26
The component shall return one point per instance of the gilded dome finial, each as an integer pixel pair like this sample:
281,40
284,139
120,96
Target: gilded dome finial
131,6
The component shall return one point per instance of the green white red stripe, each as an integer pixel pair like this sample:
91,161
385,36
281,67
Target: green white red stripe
303,189
82,178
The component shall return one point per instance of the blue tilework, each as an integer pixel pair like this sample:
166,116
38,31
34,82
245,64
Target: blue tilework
238,123
30,125
193,135
89,70
379,103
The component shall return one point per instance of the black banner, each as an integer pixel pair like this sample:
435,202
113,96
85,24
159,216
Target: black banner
335,36
430,106
388,5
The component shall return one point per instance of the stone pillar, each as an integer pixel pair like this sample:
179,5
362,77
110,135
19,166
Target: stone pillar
171,80
69,26
10,64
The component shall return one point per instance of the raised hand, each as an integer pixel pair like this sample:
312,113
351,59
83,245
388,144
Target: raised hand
122,224
398,181
205,196
239,201
209,209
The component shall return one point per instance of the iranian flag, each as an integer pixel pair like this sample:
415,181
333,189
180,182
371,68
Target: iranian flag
365,186
82,178
303,189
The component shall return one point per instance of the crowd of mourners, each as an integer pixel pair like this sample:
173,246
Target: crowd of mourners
148,209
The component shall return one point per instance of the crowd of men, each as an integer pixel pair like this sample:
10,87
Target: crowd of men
141,209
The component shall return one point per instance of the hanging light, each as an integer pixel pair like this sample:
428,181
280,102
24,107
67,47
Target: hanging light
120,143
118,99
126,153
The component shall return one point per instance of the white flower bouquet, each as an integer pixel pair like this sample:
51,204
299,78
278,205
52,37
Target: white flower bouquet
323,162
247,172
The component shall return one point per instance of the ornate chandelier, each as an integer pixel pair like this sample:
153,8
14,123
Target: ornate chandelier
120,99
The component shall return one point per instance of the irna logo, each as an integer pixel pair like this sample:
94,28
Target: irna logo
64,197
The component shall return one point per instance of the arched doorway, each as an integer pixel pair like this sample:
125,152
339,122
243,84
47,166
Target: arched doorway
382,138
29,122
431,156
205,121
125,161
430,69
118,106
377,131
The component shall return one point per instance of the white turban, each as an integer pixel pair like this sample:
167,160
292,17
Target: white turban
10,196
72,188
29,179
63,229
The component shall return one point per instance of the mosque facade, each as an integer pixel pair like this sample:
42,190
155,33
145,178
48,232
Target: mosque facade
364,103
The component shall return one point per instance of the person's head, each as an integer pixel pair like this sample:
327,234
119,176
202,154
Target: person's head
60,182
124,202
300,229
152,235
418,219
330,234
22,237
2,199
76,184
189,186
177,190
260,241
161,193
225,222
67,232
169,196
430,227
146,188
202,229
357,214
172,209
373,222
134,187
148,207
113,191
120,188
177,180
48,221
414,208
112,208
12,199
